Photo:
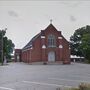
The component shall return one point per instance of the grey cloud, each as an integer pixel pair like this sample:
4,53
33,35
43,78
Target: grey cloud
72,18
13,13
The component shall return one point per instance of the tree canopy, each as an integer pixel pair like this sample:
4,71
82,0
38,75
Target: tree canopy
8,45
80,42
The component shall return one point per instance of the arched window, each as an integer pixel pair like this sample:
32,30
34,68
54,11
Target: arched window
51,41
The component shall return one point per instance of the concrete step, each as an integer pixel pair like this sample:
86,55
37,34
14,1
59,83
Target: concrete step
46,63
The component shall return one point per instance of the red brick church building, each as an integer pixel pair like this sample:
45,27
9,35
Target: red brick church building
47,46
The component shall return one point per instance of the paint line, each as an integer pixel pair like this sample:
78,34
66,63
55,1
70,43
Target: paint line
69,80
47,84
6,88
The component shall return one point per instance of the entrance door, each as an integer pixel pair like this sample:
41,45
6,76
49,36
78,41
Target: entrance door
51,56
18,58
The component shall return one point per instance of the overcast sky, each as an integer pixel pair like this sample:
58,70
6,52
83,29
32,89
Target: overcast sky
24,19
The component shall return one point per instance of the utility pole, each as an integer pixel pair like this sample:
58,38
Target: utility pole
2,48
2,55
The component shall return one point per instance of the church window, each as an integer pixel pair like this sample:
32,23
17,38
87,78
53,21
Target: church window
51,41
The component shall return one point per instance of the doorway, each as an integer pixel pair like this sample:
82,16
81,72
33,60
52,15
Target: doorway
51,56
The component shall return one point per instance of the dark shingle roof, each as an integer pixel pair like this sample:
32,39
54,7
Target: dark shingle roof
29,44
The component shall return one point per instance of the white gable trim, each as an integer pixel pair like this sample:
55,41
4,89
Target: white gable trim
59,37
42,36
60,46
43,46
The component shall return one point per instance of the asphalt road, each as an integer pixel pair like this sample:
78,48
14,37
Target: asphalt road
21,76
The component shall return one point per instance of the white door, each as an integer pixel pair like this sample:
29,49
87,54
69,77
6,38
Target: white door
51,56
18,58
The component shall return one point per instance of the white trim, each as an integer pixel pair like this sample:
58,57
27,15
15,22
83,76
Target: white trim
59,37
69,48
60,46
31,48
25,49
42,36
43,46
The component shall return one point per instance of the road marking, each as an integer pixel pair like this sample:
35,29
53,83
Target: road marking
69,80
48,84
6,88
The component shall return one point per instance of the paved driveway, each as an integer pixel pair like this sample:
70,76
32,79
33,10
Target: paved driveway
21,76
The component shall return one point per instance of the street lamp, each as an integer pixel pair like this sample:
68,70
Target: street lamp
2,44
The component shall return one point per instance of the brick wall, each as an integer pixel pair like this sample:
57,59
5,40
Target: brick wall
38,54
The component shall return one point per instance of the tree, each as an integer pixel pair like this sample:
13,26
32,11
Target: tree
2,33
80,42
8,45
85,46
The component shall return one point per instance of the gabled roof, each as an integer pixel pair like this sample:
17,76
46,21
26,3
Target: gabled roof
50,27
29,44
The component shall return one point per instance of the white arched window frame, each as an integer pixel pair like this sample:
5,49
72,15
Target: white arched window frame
51,41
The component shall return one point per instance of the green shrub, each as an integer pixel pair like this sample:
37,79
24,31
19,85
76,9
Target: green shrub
87,61
82,86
